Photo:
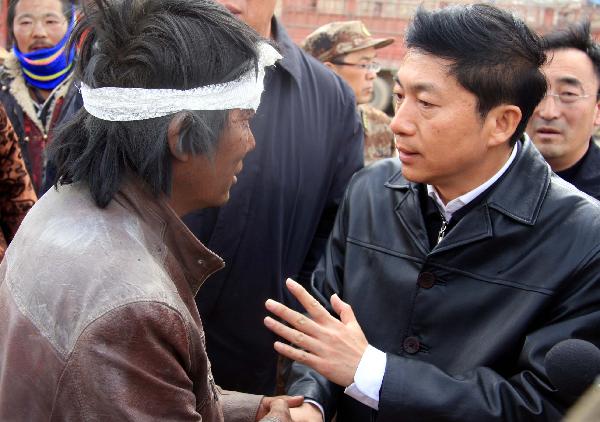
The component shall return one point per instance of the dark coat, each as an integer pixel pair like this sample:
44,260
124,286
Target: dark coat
465,325
585,174
280,212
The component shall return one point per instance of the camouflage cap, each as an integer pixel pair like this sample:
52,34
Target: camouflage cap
337,38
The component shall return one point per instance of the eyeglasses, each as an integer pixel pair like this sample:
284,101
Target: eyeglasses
369,67
565,97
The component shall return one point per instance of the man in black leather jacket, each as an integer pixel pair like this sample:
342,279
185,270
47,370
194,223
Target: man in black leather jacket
455,270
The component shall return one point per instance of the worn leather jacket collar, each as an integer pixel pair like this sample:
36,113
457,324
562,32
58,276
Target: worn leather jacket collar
196,260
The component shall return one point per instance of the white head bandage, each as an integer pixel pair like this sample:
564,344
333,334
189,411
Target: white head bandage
128,104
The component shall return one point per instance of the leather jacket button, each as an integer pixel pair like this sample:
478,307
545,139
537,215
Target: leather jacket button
426,280
411,345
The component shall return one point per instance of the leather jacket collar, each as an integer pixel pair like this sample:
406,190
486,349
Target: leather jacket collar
195,259
516,200
510,196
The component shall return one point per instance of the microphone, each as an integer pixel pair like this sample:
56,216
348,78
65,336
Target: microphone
572,366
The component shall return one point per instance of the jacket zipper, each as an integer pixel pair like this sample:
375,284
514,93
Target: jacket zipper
442,231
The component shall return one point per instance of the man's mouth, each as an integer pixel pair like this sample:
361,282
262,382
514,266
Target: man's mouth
548,130
405,151
39,46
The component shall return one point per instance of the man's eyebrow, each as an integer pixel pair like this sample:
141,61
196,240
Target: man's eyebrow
418,87
570,80
32,15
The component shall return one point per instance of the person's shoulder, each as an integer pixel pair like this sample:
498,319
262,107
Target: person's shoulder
70,254
315,72
379,176
575,212
373,114
10,68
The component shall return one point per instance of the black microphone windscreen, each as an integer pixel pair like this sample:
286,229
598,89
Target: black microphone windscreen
572,366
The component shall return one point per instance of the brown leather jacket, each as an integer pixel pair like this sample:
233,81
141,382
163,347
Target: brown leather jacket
97,315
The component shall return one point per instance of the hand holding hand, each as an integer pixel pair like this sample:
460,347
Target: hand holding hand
306,413
276,408
332,347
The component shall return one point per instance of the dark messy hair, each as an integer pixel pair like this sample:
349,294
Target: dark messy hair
175,44
67,9
493,54
577,36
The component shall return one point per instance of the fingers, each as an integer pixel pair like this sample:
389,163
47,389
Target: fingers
293,336
312,305
293,401
278,412
343,309
295,319
297,355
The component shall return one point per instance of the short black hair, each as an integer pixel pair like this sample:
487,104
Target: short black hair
579,37
175,44
493,54
68,7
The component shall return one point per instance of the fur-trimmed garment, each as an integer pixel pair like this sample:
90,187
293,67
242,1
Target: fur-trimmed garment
33,134
16,191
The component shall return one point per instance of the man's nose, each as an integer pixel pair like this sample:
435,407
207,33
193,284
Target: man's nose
402,123
548,108
250,142
39,30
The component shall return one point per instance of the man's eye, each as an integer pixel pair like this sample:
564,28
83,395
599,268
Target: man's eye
425,104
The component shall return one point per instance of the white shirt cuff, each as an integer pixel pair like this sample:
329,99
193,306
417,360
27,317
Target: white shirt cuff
368,378
317,405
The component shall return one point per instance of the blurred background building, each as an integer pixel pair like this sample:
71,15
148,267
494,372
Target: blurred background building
388,18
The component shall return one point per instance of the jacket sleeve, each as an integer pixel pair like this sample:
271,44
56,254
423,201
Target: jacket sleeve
239,407
418,390
134,364
326,280
349,158
17,195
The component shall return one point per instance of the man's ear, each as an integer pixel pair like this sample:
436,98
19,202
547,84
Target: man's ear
174,133
329,65
597,117
503,121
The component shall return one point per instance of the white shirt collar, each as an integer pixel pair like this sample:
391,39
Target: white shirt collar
451,207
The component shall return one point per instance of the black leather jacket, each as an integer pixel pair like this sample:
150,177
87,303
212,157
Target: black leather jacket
465,325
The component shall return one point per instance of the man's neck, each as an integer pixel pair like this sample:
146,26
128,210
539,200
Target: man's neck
37,94
465,182
267,30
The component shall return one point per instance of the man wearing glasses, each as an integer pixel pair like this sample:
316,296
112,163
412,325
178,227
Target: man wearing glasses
564,121
348,49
